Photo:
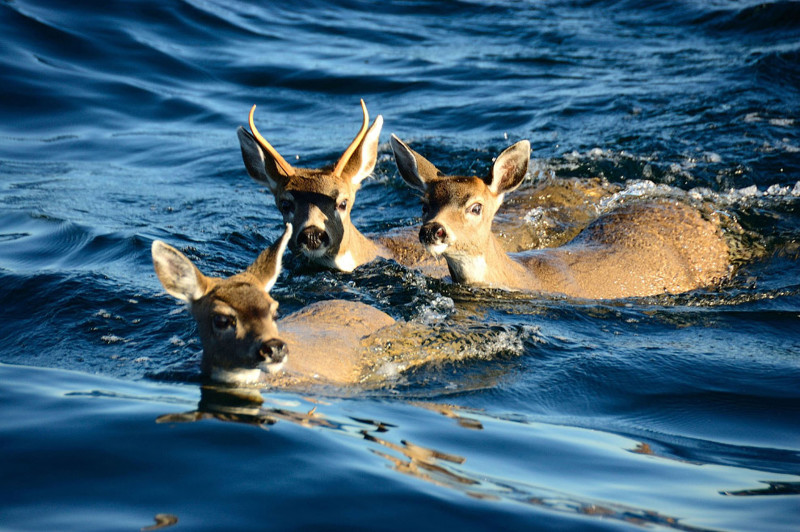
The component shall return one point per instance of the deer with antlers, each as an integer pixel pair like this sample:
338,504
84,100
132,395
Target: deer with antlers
637,250
319,201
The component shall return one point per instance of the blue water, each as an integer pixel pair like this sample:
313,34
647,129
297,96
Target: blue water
117,127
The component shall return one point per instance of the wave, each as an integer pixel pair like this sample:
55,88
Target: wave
768,17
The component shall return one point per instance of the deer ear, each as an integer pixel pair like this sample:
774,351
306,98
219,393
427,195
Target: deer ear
267,267
260,165
415,169
179,276
509,168
362,162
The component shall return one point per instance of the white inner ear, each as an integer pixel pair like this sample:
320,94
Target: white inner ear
369,146
500,171
187,284
287,234
271,183
176,273
256,161
406,160
510,168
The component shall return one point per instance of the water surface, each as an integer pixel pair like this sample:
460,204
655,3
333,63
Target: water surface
118,128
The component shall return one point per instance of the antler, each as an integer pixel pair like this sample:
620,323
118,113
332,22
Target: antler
337,171
281,162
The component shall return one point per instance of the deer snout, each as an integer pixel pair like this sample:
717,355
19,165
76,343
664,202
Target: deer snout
273,351
435,238
312,238
432,234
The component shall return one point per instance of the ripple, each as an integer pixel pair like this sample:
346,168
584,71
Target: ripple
35,243
770,17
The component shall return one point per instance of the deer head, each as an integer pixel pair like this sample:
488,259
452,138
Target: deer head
458,211
235,316
317,202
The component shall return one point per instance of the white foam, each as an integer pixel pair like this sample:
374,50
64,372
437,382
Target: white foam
437,309
782,122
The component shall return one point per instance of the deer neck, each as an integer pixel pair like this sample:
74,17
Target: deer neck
355,249
493,267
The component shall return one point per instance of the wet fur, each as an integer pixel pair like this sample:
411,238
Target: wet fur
636,250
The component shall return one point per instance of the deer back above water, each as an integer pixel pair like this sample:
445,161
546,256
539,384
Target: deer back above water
637,250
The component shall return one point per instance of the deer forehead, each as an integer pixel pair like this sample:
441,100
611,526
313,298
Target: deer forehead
456,192
247,300
321,182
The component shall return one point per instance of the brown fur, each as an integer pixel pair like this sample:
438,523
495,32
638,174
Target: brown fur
310,198
324,340
636,250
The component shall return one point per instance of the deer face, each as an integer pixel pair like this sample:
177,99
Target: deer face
317,202
458,211
457,215
235,316
236,323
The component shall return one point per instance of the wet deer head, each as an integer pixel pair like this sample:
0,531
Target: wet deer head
318,202
458,211
235,315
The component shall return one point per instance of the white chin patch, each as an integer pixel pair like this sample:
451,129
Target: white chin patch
471,269
314,254
345,262
272,368
437,250
237,376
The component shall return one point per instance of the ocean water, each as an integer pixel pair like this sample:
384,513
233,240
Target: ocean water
117,127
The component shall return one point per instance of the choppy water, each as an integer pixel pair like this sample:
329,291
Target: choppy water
117,127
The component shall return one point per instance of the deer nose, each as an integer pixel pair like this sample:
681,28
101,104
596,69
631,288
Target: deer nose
273,351
432,233
313,237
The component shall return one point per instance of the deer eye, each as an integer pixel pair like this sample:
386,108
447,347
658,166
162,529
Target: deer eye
286,206
476,209
425,209
342,205
223,322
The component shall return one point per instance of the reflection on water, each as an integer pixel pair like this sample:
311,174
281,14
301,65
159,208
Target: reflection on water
162,521
243,405
773,488
118,127
97,428
435,466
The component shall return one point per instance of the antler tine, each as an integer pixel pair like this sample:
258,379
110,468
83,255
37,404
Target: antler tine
281,162
337,171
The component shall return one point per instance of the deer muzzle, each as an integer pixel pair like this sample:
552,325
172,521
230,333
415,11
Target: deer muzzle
313,238
434,237
433,234
273,351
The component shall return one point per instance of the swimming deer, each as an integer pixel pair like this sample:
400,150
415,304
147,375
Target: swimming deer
236,320
319,201
636,250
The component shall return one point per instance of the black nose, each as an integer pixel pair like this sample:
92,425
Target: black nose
432,233
312,238
273,350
